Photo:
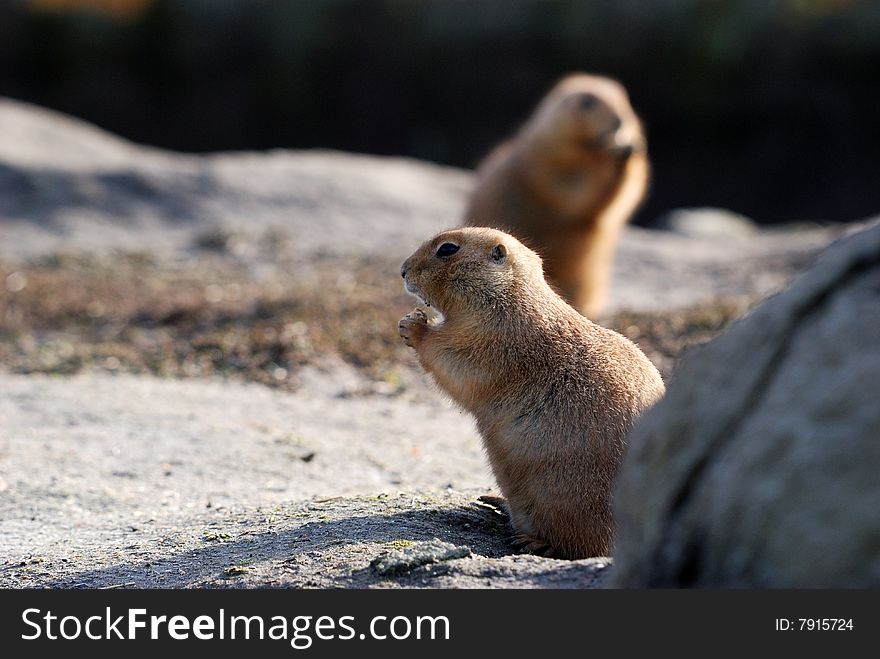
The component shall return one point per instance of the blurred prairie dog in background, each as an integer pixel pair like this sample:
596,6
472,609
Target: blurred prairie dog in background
567,182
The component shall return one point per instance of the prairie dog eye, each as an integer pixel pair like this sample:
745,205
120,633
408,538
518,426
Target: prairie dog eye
447,249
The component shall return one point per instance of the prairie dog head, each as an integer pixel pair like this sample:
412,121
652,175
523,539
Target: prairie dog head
590,112
470,269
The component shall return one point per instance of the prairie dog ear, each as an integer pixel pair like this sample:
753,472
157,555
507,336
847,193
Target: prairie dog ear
499,253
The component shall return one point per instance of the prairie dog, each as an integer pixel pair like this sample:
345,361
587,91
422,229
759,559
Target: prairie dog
554,394
567,183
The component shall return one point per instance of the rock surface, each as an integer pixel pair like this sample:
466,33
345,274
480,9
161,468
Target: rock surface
760,467
65,185
710,223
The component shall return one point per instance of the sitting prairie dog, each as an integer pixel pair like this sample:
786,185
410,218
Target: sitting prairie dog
554,394
567,183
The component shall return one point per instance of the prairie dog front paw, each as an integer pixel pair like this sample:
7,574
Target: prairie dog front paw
412,327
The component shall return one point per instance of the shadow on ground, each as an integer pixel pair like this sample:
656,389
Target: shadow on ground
237,560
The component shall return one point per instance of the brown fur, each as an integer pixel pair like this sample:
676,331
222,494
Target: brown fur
567,183
554,394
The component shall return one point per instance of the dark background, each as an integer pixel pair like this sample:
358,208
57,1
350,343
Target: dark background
767,108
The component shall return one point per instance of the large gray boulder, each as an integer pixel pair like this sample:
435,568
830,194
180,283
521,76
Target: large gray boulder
761,467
